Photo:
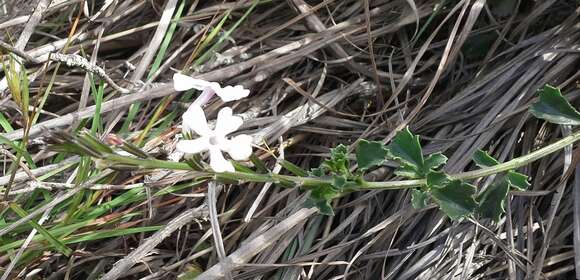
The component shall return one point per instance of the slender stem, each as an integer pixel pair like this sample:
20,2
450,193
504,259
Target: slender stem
388,185
520,161
147,163
502,167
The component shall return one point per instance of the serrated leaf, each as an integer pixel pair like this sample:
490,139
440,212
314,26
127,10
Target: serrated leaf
419,199
339,182
321,196
492,200
554,108
436,179
316,172
434,161
324,192
483,159
454,197
339,152
338,162
370,154
408,171
515,179
406,147
323,206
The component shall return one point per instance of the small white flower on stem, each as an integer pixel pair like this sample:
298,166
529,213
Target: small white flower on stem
183,82
215,141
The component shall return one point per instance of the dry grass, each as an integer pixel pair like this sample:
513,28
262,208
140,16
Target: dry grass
461,74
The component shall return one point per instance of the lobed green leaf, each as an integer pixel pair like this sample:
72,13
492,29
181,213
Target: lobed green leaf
454,197
370,154
406,147
434,161
515,179
492,200
419,198
554,108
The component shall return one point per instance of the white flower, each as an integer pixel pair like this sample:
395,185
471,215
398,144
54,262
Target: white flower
182,83
238,147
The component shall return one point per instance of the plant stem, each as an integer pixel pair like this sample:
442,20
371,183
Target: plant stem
502,167
520,161
314,181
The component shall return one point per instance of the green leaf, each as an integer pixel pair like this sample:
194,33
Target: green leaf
370,154
454,197
259,164
339,182
325,208
406,150
492,200
322,205
316,172
434,161
406,147
18,149
436,179
293,168
554,108
320,197
419,198
338,162
408,171
483,159
515,179
55,242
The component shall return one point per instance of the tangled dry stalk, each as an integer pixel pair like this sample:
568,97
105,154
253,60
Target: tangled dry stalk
460,73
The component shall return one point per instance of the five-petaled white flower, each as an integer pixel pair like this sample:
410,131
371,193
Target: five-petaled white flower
182,83
216,141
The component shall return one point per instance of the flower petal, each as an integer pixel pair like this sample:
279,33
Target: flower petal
183,82
194,120
193,146
217,161
230,93
226,122
240,147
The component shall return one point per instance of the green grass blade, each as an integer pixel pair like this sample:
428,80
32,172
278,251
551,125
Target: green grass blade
5,124
97,125
134,109
19,150
227,34
61,247
96,235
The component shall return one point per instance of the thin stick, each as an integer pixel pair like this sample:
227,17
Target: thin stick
34,185
213,189
123,101
71,60
150,243
249,249
23,176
